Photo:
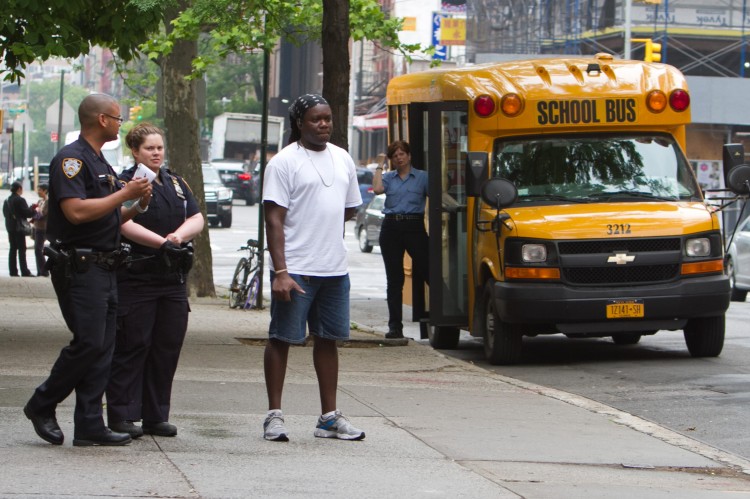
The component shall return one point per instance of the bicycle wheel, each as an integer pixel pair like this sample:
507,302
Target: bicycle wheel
238,287
252,291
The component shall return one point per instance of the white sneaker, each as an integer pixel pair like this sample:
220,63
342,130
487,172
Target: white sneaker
274,429
337,426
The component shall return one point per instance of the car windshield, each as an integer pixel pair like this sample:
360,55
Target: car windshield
364,176
211,176
601,168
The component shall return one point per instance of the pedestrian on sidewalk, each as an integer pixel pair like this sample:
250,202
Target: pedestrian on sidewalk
86,218
310,190
15,211
403,230
40,228
152,312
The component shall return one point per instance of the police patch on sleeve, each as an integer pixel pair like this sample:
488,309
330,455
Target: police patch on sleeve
71,167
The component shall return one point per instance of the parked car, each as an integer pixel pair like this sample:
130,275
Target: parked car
218,198
255,184
368,222
364,178
738,262
29,173
235,177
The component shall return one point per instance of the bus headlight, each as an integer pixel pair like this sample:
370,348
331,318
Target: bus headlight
699,246
534,253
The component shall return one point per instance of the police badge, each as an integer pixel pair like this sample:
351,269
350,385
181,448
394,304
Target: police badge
71,167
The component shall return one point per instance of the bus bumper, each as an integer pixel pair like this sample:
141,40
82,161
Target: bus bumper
569,309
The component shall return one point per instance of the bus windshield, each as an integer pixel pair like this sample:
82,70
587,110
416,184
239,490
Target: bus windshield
601,168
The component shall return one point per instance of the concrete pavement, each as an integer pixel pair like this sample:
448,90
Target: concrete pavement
436,427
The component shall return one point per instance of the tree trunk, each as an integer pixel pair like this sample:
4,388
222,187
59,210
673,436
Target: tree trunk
335,44
181,122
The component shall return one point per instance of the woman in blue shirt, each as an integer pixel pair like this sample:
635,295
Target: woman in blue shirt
403,228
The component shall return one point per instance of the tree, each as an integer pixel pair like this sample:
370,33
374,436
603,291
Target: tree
68,28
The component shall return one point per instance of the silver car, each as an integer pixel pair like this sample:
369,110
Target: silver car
738,262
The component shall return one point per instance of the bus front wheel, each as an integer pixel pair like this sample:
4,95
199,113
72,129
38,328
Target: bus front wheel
502,341
704,336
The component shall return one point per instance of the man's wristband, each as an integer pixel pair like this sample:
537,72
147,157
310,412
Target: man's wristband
280,271
379,168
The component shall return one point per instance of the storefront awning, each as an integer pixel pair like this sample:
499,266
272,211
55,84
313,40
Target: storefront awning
368,122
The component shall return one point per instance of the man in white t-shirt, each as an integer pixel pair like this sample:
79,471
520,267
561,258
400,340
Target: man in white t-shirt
309,190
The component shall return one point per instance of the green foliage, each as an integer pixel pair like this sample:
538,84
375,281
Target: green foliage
31,30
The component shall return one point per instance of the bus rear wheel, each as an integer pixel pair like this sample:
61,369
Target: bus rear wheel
704,336
502,341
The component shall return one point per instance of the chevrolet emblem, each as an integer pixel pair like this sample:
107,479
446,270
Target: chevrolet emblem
621,258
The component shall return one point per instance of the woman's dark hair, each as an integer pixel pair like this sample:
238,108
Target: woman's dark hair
44,187
396,145
15,187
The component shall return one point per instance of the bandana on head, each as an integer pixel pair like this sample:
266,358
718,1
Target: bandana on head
302,103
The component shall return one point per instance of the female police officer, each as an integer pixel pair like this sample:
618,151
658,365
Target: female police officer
153,307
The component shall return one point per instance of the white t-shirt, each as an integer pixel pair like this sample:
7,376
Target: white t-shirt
315,187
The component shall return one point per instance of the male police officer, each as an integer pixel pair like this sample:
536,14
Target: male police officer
84,222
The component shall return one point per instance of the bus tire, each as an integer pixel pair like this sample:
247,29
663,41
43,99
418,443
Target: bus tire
626,338
502,341
443,337
704,336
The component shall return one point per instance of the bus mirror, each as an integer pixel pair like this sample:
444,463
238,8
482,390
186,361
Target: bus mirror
499,193
476,172
738,179
732,155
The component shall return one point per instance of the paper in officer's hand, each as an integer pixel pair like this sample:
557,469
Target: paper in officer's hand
143,171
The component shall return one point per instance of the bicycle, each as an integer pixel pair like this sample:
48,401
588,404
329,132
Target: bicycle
245,287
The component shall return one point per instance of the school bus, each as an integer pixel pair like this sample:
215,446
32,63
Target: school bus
561,202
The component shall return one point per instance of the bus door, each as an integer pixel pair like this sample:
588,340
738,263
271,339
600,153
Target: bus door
438,139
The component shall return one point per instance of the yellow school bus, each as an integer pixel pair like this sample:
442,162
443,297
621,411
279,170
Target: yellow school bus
561,202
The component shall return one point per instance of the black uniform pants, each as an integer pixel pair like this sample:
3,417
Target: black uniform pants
152,320
397,237
88,302
17,253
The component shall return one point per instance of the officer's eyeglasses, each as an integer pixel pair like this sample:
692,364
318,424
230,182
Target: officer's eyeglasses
118,118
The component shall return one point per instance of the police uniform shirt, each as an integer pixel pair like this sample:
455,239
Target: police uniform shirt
172,202
78,172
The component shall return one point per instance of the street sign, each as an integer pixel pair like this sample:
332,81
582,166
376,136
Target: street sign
53,136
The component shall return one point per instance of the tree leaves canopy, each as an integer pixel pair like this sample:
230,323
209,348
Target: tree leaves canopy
31,30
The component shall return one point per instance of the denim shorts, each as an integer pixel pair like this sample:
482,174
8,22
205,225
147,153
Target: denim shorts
324,308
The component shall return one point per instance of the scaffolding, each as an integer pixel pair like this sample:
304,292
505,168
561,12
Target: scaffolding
700,37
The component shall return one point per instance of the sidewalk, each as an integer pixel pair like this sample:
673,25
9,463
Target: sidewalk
436,427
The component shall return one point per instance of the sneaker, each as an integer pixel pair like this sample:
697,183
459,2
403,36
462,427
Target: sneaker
337,426
274,429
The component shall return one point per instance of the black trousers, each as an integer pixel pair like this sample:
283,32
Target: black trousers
88,302
397,237
39,238
17,253
152,319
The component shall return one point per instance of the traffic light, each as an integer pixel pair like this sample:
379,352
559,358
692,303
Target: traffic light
652,51
136,113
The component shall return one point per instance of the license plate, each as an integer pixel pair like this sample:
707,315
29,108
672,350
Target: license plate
625,309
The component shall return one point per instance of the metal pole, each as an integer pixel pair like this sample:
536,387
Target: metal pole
628,21
263,149
743,49
60,111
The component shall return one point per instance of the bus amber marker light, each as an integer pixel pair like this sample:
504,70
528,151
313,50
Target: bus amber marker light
484,105
679,100
656,101
511,104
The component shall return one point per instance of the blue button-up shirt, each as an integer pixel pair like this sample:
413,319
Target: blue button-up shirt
407,196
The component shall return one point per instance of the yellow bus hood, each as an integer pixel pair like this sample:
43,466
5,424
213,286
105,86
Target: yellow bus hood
593,221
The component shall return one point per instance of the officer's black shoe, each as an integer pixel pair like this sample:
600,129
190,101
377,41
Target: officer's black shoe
161,429
127,427
104,436
45,426
394,334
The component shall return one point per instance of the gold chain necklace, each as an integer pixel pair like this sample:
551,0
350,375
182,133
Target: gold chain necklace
316,168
